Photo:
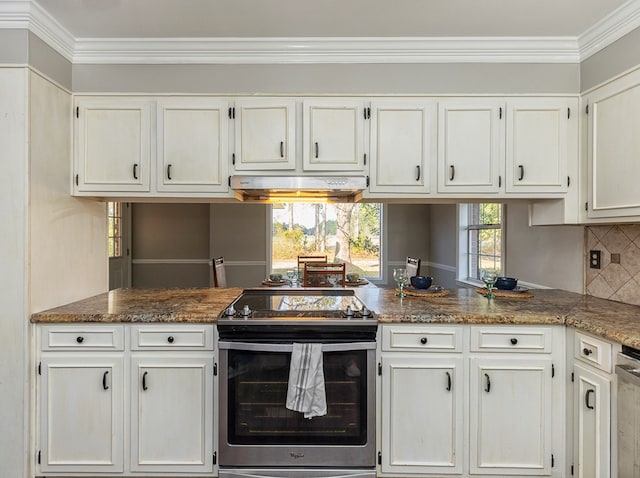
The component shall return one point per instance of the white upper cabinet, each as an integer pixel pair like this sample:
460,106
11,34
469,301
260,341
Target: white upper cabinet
333,134
403,137
541,134
614,148
471,133
265,134
192,144
112,144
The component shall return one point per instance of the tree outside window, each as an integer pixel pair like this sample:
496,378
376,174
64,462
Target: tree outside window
482,226
345,232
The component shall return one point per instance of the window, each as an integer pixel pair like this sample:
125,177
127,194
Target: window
348,233
480,239
114,222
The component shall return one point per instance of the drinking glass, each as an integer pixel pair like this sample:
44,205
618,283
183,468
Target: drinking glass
489,277
291,275
401,277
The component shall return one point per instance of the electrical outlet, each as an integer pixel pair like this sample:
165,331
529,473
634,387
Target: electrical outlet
594,259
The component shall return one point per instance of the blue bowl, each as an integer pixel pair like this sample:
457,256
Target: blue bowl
506,283
421,282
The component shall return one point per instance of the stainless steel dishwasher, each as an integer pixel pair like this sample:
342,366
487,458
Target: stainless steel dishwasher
628,372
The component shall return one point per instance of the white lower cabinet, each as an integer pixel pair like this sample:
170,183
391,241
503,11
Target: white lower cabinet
171,413
471,400
121,400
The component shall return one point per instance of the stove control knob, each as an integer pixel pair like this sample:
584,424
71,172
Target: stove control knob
230,312
365,312
246,311
349,311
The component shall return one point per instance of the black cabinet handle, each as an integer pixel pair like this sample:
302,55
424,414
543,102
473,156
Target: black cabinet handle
448,382
170,339
418,173
79,339
423,340
586,399
135,170
521,172
169,172
514,341
317,149
452,170
488,387
104,380
587,351
144,381
282,149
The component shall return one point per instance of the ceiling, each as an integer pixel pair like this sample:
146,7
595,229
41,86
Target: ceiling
324,31
327,18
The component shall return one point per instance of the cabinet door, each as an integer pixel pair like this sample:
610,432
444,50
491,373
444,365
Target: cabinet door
470,145
193,138
422,414
171,413
333,135
113,145
510,424
592,423
265,134
402,138
81,413
541,133
614,149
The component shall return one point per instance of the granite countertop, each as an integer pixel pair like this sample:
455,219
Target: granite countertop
611,320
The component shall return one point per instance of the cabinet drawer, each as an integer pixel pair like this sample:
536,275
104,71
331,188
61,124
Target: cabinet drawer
427,338
597,352
82,337
172,337
510,339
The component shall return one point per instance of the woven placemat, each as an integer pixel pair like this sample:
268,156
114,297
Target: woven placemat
425,293
510,294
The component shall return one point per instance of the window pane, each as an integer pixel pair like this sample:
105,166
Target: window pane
484,238
114,229
347,233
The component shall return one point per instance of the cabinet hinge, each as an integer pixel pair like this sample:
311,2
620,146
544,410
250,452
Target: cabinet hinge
553,461
215,457
77,179
587,108
229,181
367,181
379,458
499,181
39,368
571,470
568,113
553,370
367,113
77,112
232,112
215,369
233,158
568,181
39,457
379,368
500,116
572,377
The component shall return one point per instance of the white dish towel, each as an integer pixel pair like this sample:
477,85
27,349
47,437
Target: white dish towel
306,392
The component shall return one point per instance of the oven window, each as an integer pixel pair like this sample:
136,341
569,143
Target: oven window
257,391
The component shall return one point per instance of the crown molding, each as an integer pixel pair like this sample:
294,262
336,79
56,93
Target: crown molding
327,50
27,14
614,26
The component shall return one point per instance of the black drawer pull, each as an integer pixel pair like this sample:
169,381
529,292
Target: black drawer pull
448,382
514,341
135,171
144,381
452,169
587,351
170,339
423,340
586,399
488,387
104,380
79,339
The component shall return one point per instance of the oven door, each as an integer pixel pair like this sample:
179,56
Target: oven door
256,429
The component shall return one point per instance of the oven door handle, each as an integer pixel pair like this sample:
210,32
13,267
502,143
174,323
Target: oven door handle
259,347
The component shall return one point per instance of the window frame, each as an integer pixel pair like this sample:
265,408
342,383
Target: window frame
463,276
116,238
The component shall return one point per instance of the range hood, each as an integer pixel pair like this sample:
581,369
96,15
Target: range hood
298,188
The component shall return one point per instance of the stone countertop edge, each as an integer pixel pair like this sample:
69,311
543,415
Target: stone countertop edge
611,320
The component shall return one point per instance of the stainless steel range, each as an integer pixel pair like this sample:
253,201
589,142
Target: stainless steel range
260,436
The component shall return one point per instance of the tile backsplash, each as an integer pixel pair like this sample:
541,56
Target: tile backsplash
615,281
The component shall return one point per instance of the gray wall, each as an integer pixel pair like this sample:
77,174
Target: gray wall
611,61
407,234
443,245
450,78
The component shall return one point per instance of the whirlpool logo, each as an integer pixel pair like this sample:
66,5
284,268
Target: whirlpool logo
296,455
